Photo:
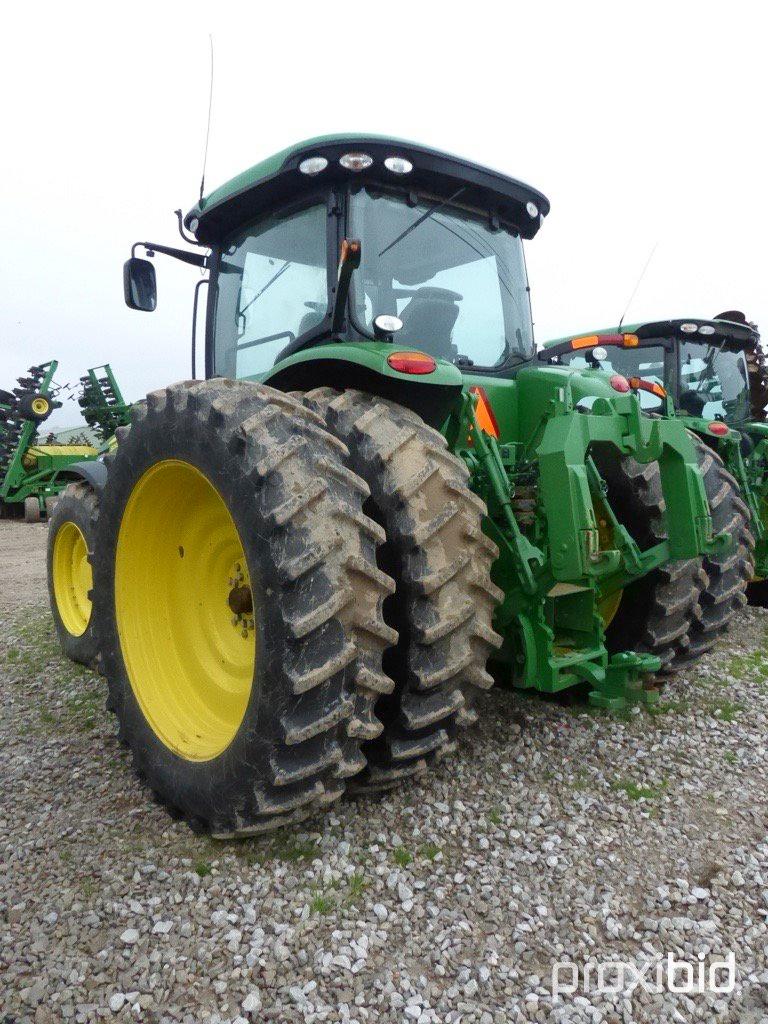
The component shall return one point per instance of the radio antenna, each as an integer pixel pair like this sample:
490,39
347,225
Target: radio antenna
208,128
634,290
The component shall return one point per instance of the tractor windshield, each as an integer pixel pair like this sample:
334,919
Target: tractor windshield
458,285
714,383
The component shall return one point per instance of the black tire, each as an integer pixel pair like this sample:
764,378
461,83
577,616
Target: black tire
311,555
725,588
27,410
32,513
656,611
78,504
440,561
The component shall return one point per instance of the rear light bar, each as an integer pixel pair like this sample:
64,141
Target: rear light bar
592,341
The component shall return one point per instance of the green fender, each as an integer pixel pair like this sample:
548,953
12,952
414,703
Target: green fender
363,365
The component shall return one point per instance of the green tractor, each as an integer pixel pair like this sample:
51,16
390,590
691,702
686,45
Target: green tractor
304,563
711,374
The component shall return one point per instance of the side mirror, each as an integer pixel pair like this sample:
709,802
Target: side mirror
140,284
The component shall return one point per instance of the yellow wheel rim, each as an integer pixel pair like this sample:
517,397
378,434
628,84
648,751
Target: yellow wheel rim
609,606
184,610
72,578
40,406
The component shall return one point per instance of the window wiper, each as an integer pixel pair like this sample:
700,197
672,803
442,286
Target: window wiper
420,220
270,282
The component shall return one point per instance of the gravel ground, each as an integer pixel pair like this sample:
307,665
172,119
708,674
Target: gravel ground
555,834
22,565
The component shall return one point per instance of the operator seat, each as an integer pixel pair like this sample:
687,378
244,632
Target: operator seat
429,319
693,403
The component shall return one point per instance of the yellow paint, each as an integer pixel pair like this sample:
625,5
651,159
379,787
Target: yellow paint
179,557
72,578
609,606
63,449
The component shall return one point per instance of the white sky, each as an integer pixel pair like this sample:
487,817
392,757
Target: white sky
643,124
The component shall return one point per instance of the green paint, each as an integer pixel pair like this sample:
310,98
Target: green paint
747,463
29,469
542,491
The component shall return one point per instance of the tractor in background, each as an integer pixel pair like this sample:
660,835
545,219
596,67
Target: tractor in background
712,375
303,564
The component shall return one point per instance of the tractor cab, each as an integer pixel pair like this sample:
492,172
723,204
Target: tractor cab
710,369
367,241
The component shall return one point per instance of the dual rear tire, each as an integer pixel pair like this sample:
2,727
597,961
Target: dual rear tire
678,611
274,630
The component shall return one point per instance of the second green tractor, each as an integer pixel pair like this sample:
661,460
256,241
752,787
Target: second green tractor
711,375
378,501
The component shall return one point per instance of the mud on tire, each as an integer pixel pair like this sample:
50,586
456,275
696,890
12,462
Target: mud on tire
440,560
317,597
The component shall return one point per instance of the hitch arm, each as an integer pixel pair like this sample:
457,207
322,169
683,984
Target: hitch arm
523,553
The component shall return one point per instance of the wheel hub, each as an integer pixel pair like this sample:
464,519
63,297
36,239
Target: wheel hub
240,600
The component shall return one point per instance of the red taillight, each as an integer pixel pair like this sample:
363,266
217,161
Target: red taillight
412,362
486,418
619,383
718,429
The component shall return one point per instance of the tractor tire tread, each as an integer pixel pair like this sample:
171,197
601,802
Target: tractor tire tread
310,545
440,560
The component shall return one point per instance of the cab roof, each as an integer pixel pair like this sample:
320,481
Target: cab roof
278,179
738,333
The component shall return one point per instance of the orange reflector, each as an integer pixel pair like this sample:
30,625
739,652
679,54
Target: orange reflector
486,418
591,340
638,384
717,428
588,341
412,362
